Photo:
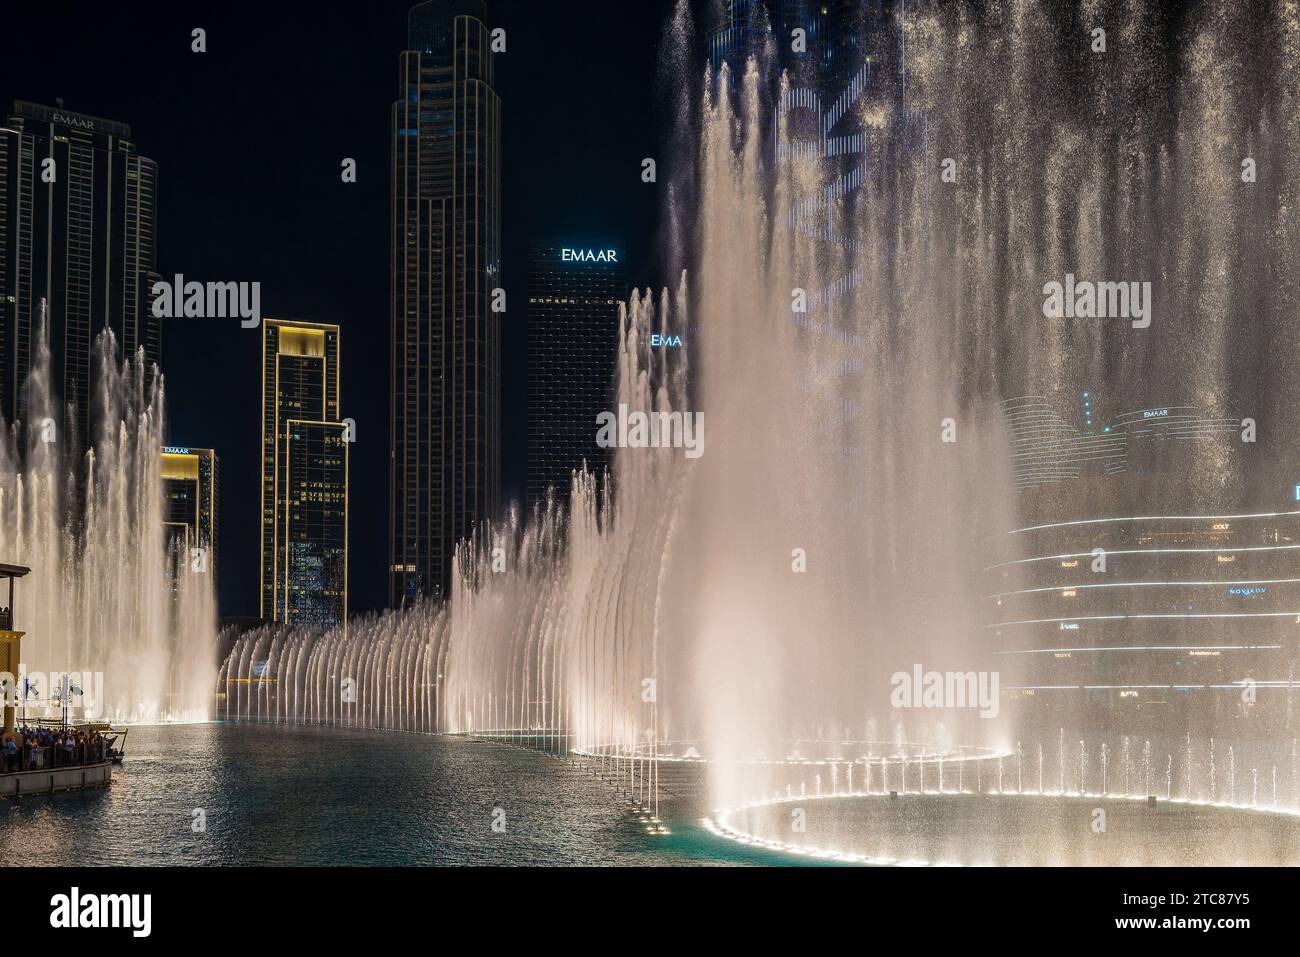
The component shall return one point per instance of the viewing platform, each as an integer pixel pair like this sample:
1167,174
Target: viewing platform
75,777
44,756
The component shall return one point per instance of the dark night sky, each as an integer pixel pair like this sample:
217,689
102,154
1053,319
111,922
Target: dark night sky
249,138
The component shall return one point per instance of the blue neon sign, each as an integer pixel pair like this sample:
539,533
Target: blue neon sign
570,255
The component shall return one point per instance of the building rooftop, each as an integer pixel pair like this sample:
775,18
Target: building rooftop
61,117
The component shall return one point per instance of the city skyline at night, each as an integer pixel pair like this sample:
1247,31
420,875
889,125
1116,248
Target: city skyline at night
202,204
853,438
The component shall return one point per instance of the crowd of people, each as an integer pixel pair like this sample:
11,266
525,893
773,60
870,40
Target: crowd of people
53,748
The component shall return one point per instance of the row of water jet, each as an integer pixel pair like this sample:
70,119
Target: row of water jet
101,602
558,622
1196,771
383,674
550,631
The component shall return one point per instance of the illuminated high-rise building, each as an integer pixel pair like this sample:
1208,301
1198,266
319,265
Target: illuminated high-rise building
77,230
304,577
1144,579
446,229
191,504
574,288
834,38
313,534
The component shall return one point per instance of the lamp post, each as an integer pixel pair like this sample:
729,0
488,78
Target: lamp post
28,689
66,689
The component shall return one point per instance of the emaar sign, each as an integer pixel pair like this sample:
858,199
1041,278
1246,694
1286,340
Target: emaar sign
588,255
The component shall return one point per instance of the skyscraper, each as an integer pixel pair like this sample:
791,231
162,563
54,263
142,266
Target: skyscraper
314,532
191,505
446,228
76,229
304,577
833,41
574,288
1122,592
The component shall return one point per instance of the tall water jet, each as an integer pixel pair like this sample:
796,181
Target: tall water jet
101,601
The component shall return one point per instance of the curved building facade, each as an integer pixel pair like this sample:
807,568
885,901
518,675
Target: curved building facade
1131,590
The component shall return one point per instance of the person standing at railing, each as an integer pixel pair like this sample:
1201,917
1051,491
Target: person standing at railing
31,749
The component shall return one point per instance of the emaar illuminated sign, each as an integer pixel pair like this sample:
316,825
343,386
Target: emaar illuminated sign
80,122
175,450
569,255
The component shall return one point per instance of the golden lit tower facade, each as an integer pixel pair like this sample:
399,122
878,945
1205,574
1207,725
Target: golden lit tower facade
446,239
190,480
304,573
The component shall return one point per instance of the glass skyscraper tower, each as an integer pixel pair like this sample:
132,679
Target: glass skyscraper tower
304,476
574,289
834,36
77,230
446,228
